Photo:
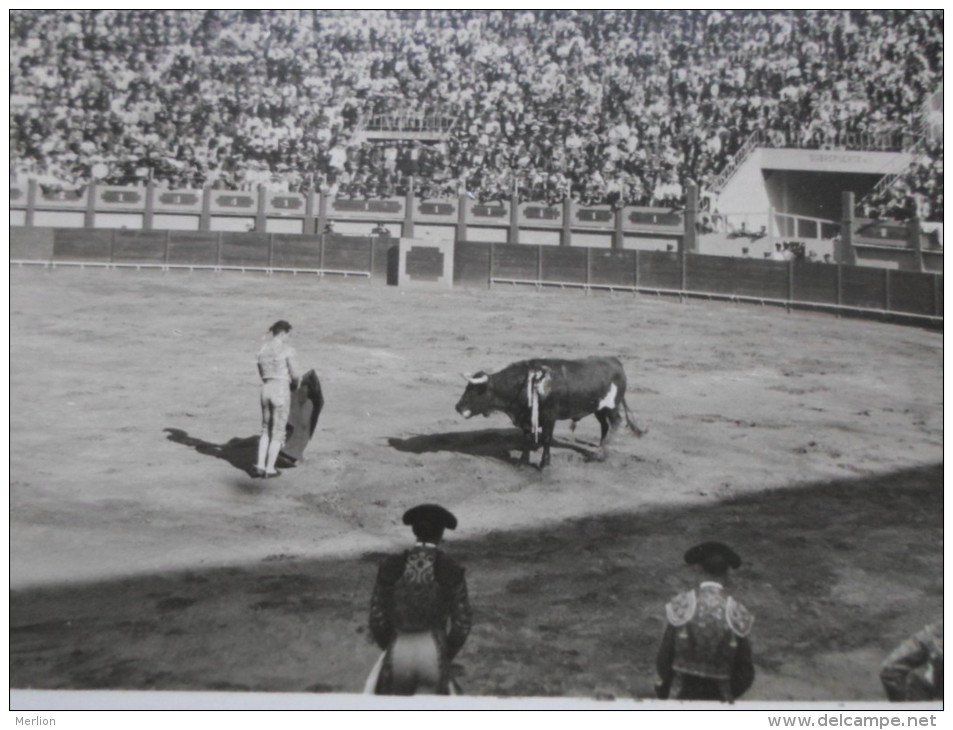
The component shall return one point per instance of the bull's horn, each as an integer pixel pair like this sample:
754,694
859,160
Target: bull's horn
476,380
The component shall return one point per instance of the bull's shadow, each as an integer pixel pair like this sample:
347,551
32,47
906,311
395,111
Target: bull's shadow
241,453
493,443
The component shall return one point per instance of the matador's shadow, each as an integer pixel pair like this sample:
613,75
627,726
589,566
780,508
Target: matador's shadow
493,443
242,453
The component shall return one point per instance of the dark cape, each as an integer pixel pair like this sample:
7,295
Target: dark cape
306,404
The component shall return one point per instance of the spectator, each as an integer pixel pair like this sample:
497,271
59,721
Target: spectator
913,672
599,105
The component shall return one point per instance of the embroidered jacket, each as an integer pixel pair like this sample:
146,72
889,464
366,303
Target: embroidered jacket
422,589
706,641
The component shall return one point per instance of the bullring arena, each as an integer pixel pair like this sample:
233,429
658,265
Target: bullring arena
143,556
792,402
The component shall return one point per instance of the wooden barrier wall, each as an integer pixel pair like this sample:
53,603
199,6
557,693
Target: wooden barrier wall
802,284
332,254
792,283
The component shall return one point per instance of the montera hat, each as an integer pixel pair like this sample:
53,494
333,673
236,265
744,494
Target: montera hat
432,514
708,553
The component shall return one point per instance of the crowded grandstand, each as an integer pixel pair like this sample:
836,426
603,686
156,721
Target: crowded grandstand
618,106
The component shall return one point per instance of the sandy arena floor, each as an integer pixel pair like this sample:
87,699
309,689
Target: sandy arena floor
143,556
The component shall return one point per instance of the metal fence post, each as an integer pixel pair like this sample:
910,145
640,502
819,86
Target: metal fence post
846,254
618,236
682,277
636,283
205,215
261,219
689,240
149,213
937,309
886,290
307,226
461,217
322,212
489,279
539,265
90,219
565,233
513,232
790,297
31,190
916,242
407,230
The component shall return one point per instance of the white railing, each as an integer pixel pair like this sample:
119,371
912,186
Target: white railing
753,141
918,148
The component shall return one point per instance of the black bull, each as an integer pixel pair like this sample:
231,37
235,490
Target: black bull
561,389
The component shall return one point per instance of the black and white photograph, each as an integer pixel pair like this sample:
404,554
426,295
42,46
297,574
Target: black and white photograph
538,359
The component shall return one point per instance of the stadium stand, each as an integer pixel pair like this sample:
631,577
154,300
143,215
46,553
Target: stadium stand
619,107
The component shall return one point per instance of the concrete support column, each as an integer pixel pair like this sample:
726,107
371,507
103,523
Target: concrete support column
845,252
322,211
618,238
308,228
408,229
149,214
916,243
565,235
461,217
261,220
513,232
90,221
205,216
32,188
689,241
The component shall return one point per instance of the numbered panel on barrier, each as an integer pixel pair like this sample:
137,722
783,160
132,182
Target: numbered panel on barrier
652,219
18,197
61,199
231,202
487,214
540,215
436,211
369,209
116,198
425,264
285,205
178,201
602,216
881,232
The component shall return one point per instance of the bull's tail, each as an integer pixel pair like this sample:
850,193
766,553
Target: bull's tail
630,422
